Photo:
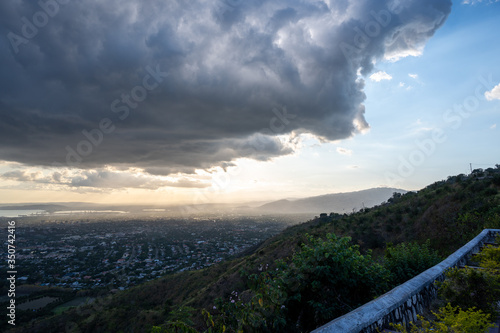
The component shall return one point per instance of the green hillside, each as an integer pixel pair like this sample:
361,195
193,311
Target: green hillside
447,213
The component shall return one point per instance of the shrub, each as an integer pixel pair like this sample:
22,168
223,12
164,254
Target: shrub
496,180
490,191
263,313
452,319
468,288
477,186
407,260
330,277
173,327
489,257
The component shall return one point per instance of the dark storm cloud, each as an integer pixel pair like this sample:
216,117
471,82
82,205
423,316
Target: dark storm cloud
101,66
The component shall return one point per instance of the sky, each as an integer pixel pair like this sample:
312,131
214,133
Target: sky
193,102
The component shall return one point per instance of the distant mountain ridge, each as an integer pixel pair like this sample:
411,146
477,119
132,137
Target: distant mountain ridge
337,202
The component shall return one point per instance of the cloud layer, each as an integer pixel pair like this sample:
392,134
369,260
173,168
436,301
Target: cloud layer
104,178
174,86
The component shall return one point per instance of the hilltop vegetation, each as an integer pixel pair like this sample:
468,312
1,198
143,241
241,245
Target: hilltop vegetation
445,214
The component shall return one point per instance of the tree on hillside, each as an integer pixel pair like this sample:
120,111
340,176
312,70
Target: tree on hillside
326,279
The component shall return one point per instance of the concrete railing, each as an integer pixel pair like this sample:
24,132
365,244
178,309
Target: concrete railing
402,304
